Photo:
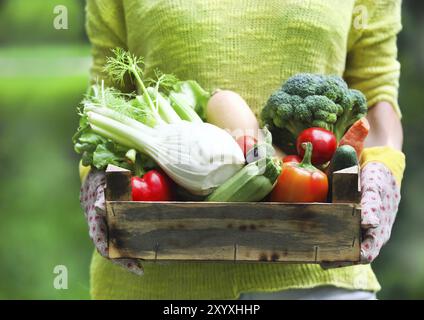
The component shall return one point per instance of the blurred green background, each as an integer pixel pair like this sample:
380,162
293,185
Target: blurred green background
43,75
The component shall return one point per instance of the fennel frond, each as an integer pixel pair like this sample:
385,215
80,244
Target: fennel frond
121,63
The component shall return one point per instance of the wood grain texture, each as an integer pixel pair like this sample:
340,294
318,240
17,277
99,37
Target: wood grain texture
118,184
346,186
272,232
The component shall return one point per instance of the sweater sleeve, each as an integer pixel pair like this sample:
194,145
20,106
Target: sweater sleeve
106,30
372,65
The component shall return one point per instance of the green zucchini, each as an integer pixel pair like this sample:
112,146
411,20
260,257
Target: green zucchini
250,184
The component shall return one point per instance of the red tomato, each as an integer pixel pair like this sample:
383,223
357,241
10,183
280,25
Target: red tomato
292,158
153,186
324,144
246,143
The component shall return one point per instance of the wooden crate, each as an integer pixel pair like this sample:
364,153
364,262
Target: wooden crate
248,232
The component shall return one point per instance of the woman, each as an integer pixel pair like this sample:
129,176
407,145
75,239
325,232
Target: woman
251,47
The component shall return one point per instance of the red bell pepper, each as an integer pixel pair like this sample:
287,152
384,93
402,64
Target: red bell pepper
153,186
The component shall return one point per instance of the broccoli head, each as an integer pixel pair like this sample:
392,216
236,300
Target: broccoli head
312,100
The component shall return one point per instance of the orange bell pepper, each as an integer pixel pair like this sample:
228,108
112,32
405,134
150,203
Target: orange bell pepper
301,182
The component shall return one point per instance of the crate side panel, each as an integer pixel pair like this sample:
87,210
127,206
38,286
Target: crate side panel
232,231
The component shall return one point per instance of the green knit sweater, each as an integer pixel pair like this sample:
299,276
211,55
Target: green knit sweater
250,47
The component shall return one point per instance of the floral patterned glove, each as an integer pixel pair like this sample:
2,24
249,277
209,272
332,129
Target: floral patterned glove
380,201
93,203
381,175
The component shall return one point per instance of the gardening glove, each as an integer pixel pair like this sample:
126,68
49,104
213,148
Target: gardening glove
381,175
92,200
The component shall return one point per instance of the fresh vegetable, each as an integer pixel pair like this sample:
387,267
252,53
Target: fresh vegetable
252,183
97,150
228,110
246,143
301,182
151,108
123,63
292,158
184,96
153,186
356,135
344,157
189,100
196,155
163,105
311,100
324,144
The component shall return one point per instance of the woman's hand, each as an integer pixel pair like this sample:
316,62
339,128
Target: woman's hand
380,201
93,203
380,190
382,166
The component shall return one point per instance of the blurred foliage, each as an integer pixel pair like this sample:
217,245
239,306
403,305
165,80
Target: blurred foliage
43,75
39,188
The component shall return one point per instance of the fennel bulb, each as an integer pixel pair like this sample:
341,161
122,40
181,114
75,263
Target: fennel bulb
161,122
198,156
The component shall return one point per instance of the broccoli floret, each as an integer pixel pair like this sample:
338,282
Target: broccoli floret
354,110
303,85
323,109
334,88
281,111
311,100
303,115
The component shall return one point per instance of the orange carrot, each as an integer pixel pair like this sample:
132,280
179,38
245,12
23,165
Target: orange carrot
356,135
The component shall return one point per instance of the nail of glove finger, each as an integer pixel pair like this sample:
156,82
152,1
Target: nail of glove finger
370,246
134,266
99,203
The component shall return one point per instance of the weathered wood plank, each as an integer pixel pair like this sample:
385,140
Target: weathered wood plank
233,231
118,184
346,186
